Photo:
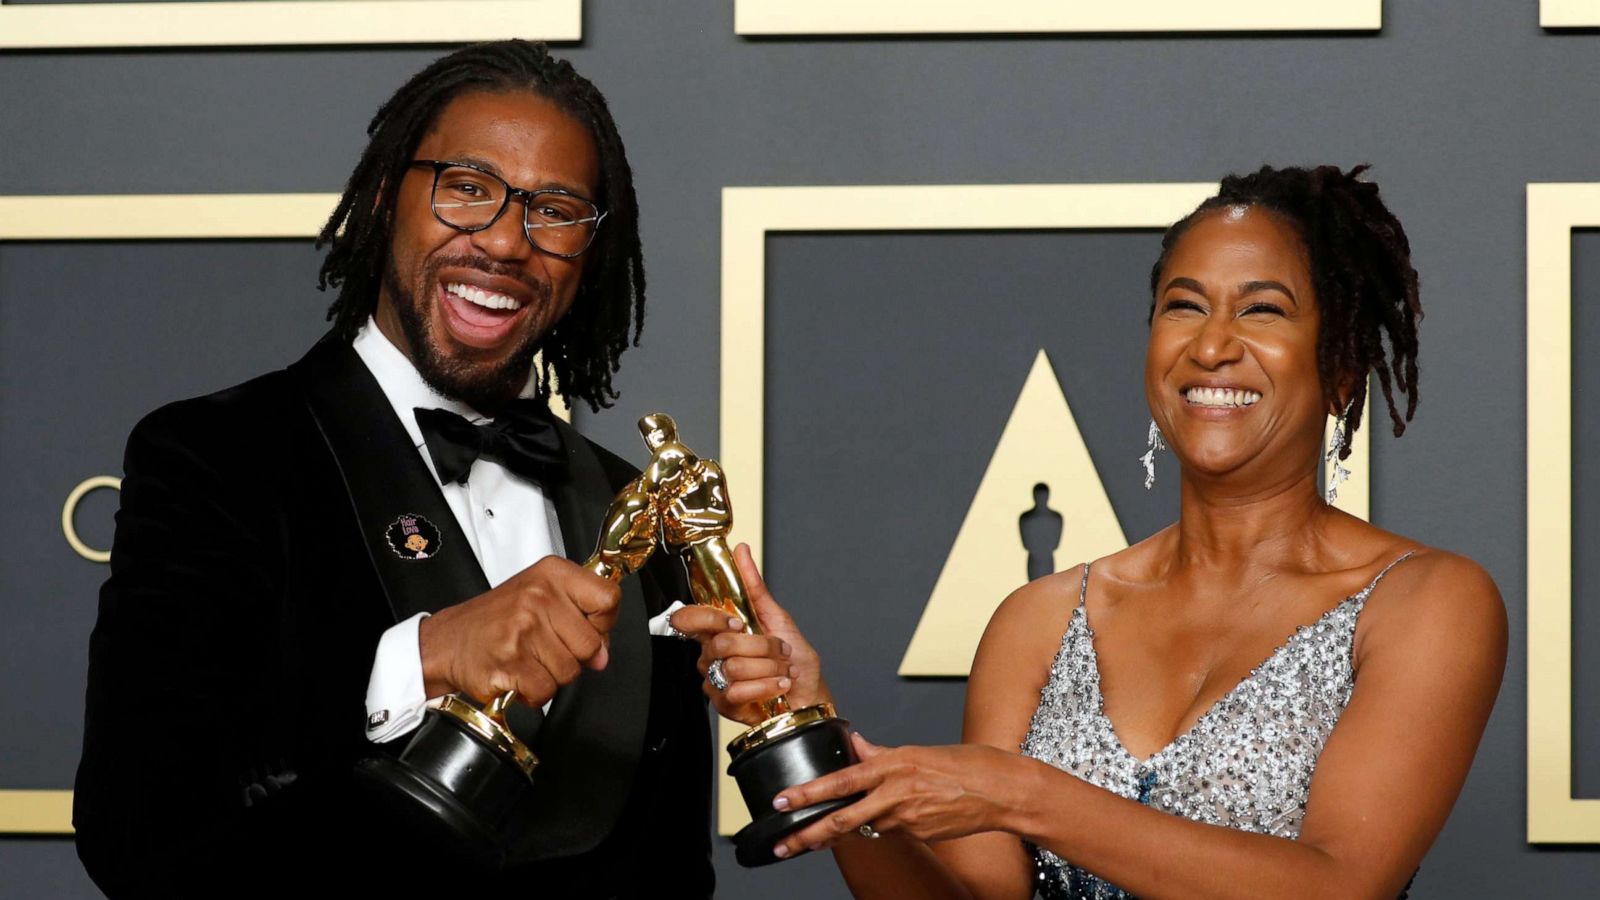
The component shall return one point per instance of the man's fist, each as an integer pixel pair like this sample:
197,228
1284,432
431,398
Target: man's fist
532,634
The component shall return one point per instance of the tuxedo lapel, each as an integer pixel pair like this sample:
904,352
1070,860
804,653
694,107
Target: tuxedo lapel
590,743
393,493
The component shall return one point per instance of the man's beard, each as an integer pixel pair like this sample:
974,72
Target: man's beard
482,386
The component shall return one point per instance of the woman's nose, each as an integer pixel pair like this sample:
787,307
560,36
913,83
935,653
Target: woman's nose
1217,343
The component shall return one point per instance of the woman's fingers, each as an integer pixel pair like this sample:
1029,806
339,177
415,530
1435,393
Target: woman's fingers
772,616
729,644
757,690
704,622
744,668
853,780
750,572
842,824
723,636
864,748
875,809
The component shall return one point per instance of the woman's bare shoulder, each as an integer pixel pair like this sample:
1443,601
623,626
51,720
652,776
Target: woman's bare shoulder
1026,629
1432,580
1137,563
1036,614
1432,600
1014,658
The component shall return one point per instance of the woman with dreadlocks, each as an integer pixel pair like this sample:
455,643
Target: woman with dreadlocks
1269,698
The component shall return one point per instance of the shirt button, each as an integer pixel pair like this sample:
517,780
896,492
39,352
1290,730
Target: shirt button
488,512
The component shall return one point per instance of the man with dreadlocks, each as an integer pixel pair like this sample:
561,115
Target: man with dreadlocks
269,620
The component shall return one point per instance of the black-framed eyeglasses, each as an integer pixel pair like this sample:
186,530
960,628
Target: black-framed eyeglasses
468,198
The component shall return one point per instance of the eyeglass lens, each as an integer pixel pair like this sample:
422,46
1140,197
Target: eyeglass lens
556,223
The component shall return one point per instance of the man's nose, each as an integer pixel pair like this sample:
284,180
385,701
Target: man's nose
506,239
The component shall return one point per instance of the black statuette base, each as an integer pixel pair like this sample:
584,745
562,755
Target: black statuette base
810,752
450,789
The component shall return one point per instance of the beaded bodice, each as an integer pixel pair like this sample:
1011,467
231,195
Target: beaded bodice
1245,764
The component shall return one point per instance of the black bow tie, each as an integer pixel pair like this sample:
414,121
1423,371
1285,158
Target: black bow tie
522,438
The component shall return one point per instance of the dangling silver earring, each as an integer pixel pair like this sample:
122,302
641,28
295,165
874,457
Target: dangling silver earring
1149,458
1336,472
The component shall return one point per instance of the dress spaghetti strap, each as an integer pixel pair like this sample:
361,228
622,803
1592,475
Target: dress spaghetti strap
1367,591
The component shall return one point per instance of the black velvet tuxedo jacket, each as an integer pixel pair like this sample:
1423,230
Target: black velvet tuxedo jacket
251,578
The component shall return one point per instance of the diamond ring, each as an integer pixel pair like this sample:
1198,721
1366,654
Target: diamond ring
715,676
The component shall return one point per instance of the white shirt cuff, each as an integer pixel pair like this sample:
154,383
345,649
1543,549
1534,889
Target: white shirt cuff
661,626
395,691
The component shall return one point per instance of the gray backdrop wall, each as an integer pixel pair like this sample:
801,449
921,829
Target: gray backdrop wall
870,337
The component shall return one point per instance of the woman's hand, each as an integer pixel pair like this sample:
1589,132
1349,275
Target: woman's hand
780,662
929,793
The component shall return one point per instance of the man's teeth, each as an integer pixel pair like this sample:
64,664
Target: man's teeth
1221,397
486,299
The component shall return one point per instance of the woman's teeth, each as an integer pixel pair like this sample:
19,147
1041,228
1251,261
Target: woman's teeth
480,297
1221,397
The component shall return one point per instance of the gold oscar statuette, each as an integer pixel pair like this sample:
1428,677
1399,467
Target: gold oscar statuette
792,745
464,771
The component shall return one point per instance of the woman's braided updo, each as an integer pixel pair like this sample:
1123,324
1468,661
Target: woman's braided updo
1360,269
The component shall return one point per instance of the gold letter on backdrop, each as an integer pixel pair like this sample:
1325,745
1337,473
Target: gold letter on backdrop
1569,13
69,513
217,23
1554,815
1024,16
1040,445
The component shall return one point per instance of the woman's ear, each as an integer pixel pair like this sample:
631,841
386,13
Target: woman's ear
1344,393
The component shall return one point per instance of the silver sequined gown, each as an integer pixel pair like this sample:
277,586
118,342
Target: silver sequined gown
1245,764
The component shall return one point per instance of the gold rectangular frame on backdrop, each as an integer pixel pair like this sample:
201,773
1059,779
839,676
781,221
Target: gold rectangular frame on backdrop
750,214
229,23
1554,815
773,17
1569,13
148,217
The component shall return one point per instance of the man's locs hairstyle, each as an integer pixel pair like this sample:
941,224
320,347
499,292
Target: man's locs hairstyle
582,350
1360,268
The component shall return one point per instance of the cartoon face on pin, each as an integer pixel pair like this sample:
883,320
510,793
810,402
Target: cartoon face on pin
412,537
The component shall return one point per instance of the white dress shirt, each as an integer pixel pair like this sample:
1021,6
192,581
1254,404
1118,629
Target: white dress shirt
508,521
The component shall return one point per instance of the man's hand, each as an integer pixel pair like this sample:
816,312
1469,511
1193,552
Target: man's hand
532,634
